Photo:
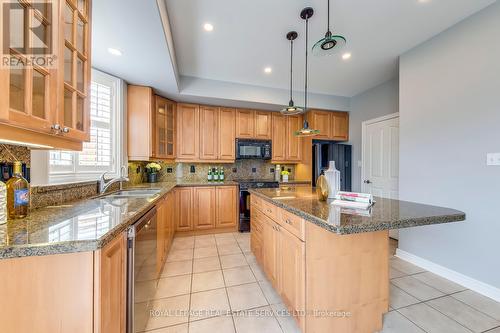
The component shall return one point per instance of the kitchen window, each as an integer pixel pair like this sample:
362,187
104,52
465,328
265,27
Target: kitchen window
105,152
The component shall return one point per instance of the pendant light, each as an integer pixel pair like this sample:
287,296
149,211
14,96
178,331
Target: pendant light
306,14
291,108
331,44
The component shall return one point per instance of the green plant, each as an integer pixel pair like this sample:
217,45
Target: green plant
285,173
153,167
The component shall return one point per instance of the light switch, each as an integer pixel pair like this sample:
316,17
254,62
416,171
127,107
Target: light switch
493,159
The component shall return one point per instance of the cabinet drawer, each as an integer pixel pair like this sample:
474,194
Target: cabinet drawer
256,201
256,221
292,223
270,210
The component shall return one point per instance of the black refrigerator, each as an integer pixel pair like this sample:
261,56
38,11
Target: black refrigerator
323,153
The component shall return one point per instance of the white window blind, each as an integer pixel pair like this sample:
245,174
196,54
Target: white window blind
103,150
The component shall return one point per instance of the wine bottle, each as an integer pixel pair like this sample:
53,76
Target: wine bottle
209,176
216,175
3,203
221,174
18,194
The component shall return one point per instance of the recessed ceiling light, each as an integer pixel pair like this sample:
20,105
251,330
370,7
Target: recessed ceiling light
346,56
268,70
114,51
208,27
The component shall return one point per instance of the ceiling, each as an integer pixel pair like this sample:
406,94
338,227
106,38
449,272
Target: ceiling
250,35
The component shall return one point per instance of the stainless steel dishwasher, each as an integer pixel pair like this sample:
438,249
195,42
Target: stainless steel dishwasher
142,272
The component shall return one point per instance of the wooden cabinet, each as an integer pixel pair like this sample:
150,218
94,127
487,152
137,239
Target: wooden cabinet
226,206
204,207
46,100
111,271
279,137
184,208
340,126
293,142
270,251
287,148
165,228
164,125
74,64
151,125
227,134
263,125
209,123
333,125
245,124
188,132
292,272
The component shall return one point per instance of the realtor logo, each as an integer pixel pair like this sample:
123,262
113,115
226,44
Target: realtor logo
27,36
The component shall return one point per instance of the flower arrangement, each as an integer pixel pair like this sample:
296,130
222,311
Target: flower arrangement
285,173
153,167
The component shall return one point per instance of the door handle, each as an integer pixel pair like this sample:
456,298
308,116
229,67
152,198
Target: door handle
367,181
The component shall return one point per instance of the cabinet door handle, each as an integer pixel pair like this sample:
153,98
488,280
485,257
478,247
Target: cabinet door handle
65,130
287,221
269,211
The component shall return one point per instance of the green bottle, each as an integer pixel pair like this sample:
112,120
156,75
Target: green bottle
221,175
209,176
216,174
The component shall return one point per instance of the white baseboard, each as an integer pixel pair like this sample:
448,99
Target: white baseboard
463,280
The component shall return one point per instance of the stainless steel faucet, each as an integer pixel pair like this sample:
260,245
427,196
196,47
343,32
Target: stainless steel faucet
103,184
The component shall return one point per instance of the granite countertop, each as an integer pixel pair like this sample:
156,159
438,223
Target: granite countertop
85,225
385,214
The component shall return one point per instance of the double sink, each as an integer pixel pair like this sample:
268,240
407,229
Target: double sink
136,193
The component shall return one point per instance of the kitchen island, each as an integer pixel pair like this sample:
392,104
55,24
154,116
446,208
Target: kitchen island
331,264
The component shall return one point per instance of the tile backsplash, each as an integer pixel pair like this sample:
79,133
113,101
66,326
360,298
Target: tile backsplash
8,155
240,169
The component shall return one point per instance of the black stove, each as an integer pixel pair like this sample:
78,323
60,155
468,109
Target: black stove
245,184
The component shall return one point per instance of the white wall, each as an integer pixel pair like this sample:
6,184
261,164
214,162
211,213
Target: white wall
449,120
374,103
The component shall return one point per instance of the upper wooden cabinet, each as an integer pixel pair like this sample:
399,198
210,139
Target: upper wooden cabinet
209,123
164,124
252,124
287,148
245,124
49,100
205,133
151,125
188,132
227,134
279,137
263,125
333,125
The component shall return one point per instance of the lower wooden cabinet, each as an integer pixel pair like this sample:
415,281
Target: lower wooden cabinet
111,286
204,207
166,228
227,206
184,209
282,255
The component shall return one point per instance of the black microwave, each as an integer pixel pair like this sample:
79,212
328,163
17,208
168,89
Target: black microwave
253,149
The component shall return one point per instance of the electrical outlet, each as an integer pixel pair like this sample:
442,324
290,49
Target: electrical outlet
271,170
192,169
170,170
138,170
254,170
235,170
289,170
493,159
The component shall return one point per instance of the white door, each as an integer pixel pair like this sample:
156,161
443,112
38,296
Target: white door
381,159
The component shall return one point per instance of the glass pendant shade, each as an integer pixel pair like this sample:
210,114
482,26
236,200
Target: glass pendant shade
329,45
291,109
305,131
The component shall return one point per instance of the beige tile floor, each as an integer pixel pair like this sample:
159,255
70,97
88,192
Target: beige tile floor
214,285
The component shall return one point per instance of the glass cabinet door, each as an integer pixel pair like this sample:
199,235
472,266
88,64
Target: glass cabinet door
30,76
164,128
74,110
